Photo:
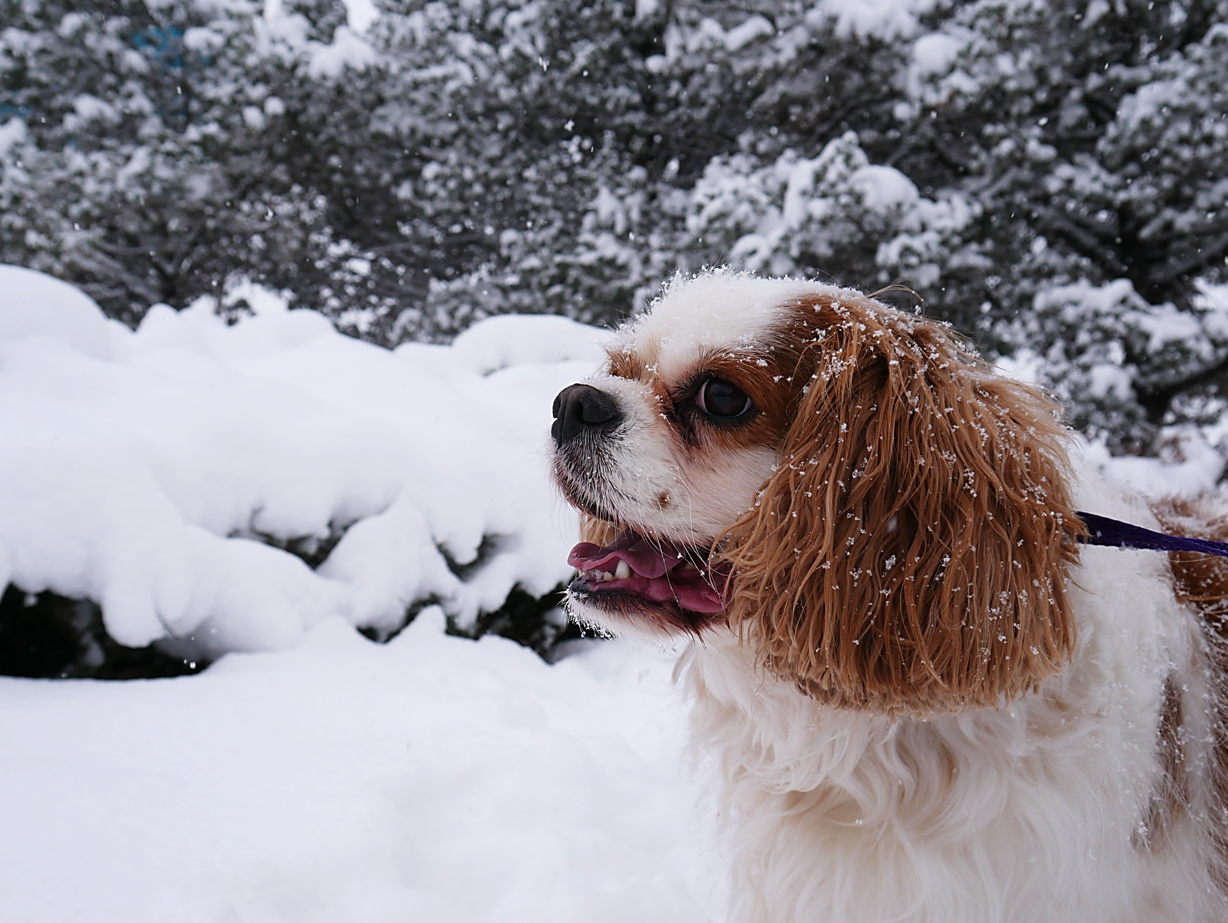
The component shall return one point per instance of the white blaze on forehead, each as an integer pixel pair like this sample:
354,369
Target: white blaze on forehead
720,310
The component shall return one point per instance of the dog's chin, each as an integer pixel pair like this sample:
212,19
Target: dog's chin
644,586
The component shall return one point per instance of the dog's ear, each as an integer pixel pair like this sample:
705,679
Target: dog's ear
909,554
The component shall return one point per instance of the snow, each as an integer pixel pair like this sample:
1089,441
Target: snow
884,188
429,779
1192,458
361,14
755,27
204,40
280,31
12,132
1213,299
933,56
644,9
141,469
712,33
512,339
140,162
87,108
1191,468
1095,10
348,49
934,53
36,305
1120,306
883,19
253,118
162,472
1165,324
1108,378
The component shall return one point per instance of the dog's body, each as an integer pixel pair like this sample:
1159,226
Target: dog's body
1074,803
925,700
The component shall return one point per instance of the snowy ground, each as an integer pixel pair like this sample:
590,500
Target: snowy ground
309,774
429,779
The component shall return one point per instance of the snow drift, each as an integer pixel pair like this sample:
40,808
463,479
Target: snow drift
169,473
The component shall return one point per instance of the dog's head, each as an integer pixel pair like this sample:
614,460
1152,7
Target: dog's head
843,485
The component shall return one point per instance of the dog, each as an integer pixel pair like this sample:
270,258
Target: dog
925,696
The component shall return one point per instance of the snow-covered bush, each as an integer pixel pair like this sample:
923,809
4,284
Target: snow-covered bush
218,487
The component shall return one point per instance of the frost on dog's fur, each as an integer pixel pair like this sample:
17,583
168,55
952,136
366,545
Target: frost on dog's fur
910,552
924,699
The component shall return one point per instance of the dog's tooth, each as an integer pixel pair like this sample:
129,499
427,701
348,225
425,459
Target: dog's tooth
622,572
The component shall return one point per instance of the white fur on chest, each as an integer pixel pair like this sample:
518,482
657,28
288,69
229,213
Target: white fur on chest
1032,812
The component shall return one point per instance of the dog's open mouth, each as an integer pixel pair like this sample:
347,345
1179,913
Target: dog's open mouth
635,566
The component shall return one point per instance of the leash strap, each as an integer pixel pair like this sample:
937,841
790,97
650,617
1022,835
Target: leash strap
1115,534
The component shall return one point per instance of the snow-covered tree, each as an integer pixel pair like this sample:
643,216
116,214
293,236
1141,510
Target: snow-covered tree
1004,158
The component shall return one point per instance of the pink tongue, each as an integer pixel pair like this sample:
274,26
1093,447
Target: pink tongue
651,568
645,559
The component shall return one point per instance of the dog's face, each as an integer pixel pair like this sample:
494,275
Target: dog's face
669,444
841,484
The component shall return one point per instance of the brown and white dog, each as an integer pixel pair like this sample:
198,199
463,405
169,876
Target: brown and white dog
927,701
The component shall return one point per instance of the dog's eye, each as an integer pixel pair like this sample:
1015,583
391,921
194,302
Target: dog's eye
720,398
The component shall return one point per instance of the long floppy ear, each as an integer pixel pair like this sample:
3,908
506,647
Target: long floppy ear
909,554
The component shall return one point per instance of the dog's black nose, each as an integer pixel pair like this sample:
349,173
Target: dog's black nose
582,407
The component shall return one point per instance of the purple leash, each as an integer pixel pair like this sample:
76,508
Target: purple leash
1110,532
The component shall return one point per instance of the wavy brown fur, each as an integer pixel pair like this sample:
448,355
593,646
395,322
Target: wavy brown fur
1201,581
910,554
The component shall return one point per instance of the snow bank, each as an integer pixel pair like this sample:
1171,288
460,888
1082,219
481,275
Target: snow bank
432,779
35,305
156,471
